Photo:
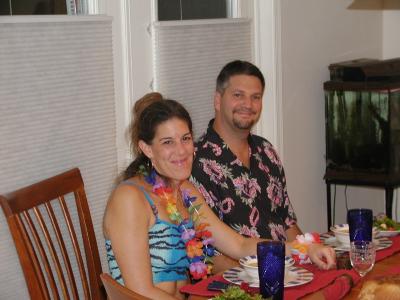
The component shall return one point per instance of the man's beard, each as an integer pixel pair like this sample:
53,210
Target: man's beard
243,124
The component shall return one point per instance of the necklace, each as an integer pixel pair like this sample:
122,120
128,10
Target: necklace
198,241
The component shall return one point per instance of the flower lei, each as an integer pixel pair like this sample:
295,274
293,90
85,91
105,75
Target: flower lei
300,247
198,241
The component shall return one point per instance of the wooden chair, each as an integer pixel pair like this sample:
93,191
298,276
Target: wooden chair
49,241
115,291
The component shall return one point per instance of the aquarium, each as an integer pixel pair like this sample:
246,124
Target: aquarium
362,114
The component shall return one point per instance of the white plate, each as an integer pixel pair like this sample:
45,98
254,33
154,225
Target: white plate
330,240
388,233
289,261
293,277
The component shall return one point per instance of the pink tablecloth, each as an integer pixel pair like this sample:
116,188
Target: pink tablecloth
321,278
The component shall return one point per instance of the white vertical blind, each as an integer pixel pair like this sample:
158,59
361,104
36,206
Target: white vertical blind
188,56
57,112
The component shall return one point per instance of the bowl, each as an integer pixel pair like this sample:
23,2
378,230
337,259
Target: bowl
341,232
388,233
250,265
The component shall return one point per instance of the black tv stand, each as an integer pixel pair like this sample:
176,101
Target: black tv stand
386,181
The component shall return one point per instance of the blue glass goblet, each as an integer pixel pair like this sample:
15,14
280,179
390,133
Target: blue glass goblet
271,268
360,224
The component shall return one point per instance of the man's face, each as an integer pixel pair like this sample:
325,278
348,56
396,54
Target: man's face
240,104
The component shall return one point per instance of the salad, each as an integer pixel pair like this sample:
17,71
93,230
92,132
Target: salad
383,222
236,293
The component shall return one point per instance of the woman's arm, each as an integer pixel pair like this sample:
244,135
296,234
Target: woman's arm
126,223
236,246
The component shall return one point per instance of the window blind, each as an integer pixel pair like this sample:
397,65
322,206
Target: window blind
57,112
188,56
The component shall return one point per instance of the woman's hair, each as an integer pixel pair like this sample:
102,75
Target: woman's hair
148,113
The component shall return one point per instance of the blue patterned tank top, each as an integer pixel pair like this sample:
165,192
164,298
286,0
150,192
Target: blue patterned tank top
167,250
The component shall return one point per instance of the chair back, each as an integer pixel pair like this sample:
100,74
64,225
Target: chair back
115,291
49,242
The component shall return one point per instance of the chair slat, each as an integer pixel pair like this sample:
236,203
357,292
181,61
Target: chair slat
42,253
90,242
75,244
63,250
53,252
30,263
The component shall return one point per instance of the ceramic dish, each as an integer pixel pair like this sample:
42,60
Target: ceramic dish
250,265
330,240
341,232
293,277
388,233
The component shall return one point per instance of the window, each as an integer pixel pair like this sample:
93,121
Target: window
189,51
43,7
169,10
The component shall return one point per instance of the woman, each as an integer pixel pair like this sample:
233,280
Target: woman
156,224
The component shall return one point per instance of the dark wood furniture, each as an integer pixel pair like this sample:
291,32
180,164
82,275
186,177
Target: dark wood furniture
48,241
388,182
115,291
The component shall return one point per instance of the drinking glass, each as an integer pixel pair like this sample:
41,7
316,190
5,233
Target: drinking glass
360,224
362,256
271,268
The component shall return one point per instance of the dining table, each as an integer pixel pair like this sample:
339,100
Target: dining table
325,284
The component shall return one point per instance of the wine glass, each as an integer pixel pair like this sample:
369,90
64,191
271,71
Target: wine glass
362,256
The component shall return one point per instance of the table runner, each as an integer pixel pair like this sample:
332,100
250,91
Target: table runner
324,278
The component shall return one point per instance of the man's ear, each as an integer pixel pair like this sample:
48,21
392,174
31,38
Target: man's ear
146,149
217,101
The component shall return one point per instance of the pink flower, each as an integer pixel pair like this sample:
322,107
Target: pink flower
198,270
188,234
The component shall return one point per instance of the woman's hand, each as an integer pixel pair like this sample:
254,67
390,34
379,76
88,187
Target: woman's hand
323,256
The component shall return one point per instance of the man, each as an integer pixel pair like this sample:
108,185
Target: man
240,174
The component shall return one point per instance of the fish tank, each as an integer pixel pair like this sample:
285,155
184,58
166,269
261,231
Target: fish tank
362,116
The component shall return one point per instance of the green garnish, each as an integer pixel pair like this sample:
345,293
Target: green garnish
236,293
382,222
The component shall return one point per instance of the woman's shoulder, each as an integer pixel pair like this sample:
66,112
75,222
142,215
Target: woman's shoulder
127,206
127,190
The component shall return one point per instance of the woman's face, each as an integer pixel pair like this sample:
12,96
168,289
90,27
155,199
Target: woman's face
171,151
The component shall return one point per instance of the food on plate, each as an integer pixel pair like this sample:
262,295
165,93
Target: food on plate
383,222
253,263
387,287
235,292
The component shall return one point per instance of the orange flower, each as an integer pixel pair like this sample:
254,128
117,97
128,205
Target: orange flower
194,248
205,234
202,226
301,247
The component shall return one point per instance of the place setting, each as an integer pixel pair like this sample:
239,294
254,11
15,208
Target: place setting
247,272
339,238
360,226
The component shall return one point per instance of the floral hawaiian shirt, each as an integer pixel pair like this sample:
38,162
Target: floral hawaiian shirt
254,201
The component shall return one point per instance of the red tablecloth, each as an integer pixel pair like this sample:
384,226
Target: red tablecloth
320,281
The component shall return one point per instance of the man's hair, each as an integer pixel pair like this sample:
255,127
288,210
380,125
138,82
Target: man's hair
237,67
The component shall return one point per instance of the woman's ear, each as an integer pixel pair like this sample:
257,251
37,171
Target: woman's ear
146,149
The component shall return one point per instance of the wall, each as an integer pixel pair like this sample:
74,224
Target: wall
391,37
316,33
